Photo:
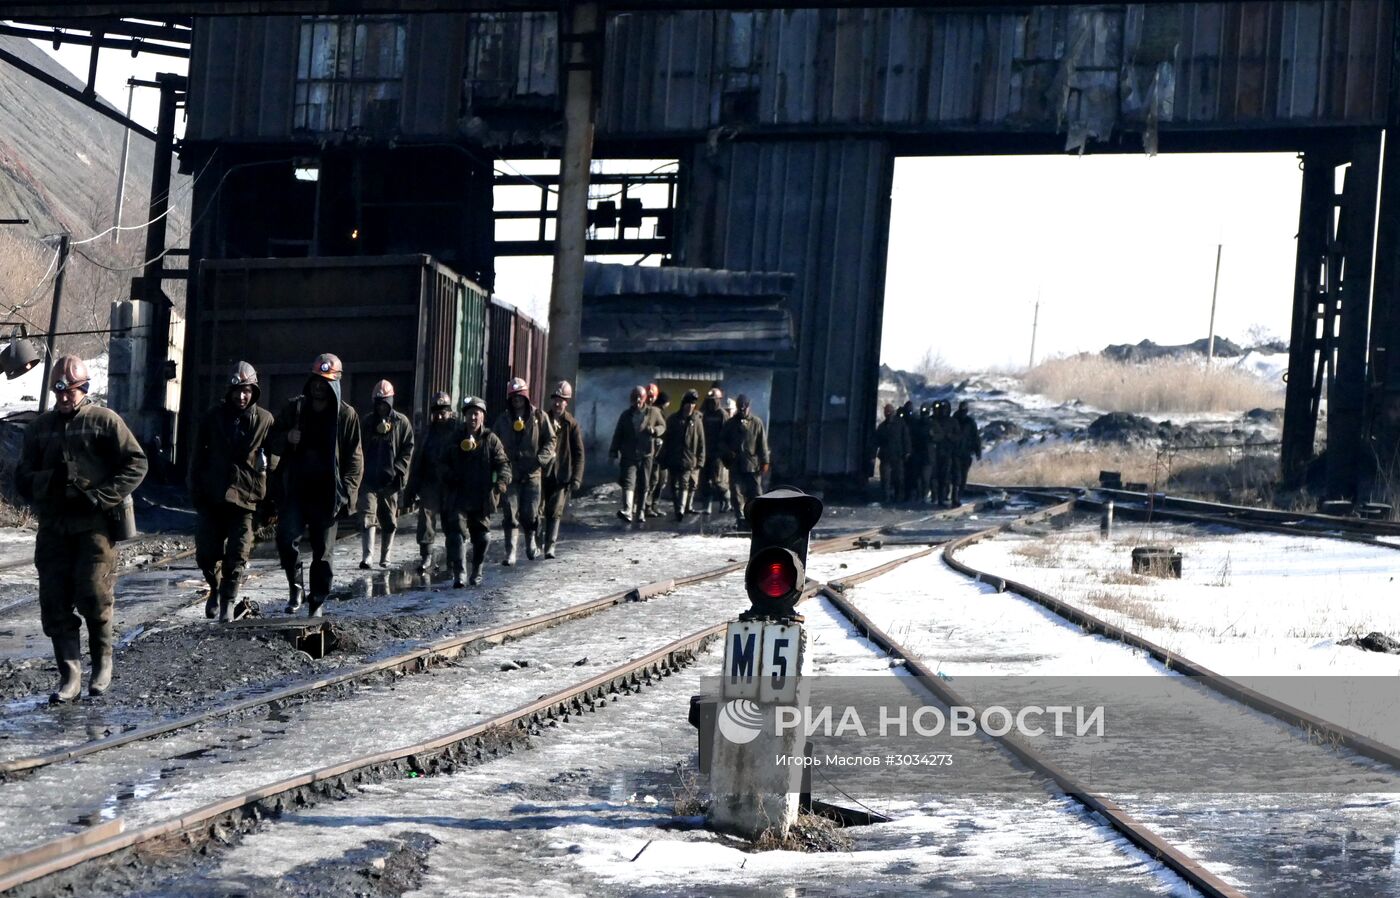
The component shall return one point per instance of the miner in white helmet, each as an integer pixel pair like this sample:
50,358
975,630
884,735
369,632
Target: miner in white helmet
316,436
565,476
387,440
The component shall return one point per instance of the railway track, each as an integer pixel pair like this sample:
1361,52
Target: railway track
46,864
1308,727
418,660
474,742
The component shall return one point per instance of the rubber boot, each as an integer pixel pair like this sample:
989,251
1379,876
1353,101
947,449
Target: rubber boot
211,601
510,549
68,652
531,550
313,605
709,507
366,546
386,543
228,597
294,591
100,648
478,560
625,512
425,559
678,506
551,538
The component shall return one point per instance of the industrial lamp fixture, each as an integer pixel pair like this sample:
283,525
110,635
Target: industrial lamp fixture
20,354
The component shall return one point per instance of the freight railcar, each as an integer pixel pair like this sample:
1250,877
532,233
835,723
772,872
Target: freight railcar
408,319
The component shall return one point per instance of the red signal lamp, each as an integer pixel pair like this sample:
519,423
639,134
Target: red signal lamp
774,581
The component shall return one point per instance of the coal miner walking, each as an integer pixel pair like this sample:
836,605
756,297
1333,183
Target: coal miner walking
78,467
424,486
227,479
565,475
892,451
714,476
969,443
528,436
744,448
634,443
943,443
475,474
683,452
316,437
387,440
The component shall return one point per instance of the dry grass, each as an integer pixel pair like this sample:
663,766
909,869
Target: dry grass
1215,474
808,833
1132,608
1163,385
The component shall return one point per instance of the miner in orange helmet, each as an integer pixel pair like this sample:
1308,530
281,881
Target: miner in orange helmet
387,440
316,437
79,464
529,438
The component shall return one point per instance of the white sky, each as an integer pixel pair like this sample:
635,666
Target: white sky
1119,248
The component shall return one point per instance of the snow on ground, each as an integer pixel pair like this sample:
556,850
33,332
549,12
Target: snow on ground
589,813
1335,835
1269,607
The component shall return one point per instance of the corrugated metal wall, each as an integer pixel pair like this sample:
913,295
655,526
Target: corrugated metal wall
1036,68
500,358
820,211
243,72
1056,69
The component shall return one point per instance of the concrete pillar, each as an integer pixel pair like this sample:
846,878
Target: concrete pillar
581,24
751,794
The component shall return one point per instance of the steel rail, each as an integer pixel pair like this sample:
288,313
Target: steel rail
1304,527
442,753
1156,847
425,657
1272,515
1258,701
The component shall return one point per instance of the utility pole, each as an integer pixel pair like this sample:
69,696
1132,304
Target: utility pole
1035,325
1210,340
121,167
582,39
53,320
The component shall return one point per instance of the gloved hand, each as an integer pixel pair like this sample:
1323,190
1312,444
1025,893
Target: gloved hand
764,470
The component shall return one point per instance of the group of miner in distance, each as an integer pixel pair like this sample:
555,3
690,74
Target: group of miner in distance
711,452
318,459
927,454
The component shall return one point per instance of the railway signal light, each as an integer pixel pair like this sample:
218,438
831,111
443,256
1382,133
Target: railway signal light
781,521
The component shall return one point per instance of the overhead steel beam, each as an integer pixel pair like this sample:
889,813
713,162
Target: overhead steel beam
173,32
162,9
104,41
73,92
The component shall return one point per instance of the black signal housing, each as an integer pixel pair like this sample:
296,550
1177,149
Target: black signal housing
781,522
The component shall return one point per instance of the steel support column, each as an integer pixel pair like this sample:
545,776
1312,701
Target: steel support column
1305,362
1346,394
151,288
582,37
1381,447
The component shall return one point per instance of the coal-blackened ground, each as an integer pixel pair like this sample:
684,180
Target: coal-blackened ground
171,661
